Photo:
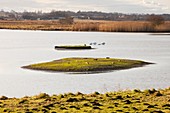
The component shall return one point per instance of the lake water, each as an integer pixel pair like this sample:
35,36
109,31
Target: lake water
19,48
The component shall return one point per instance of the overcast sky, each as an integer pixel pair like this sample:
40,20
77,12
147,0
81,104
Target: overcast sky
122,6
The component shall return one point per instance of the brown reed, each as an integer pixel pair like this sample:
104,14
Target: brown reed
87,25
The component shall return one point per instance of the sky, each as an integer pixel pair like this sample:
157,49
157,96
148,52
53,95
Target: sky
121,6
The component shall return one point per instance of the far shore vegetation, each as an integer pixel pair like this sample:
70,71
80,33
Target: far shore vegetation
128,101
86,25
84,21
87,65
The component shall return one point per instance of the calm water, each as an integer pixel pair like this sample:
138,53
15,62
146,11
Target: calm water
19,48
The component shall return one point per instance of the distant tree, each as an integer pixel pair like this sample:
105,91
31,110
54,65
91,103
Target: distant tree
156,19
2,10
67,20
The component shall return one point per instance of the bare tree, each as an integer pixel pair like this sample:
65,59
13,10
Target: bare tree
156,19
67,20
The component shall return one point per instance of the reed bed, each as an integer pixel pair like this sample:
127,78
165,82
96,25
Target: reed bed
121,26
87,25
34,25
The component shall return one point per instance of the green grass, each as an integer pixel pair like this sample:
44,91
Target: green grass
86,65
147,101
73,47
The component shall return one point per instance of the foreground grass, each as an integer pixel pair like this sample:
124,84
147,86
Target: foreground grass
86,25
86,65
147,101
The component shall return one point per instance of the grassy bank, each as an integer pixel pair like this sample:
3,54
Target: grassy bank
87,25
147,101
86,65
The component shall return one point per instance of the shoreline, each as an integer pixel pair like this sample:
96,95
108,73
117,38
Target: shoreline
152,33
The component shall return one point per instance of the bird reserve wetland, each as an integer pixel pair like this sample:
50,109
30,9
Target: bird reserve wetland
21,47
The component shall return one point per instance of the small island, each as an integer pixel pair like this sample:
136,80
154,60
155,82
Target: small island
87,65
75,47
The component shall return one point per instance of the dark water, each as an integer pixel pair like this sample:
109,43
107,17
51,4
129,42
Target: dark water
19,48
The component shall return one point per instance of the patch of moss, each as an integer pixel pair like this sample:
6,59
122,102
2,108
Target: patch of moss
87,65
95,102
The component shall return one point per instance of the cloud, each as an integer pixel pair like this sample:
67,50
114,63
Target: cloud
151,3
125,6
155,5
51,1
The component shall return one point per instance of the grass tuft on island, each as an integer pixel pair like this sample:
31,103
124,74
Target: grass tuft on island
74,47
87,65
129,101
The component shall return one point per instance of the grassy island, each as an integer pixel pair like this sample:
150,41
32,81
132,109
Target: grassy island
87,65
75,47
129,101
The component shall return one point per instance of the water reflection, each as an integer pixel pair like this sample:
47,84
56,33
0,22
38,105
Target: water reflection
161,34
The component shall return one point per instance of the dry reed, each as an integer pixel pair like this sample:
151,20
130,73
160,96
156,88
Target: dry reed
87,25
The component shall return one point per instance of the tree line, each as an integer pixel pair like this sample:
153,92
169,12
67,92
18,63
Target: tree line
93,15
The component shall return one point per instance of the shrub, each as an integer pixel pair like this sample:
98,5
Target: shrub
156,20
